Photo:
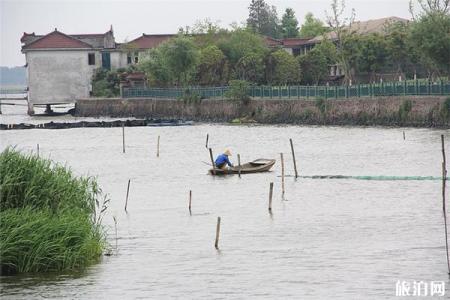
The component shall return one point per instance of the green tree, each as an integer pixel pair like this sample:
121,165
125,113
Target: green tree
242,42
312,27
429,7
431,36
181,58
206,33
171,63
314,67
286,68
372,55
315,64
155,66
213,67
401,53
263,19
289,24
339,24
250,68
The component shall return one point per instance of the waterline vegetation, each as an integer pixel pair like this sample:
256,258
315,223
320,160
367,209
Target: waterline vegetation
50,220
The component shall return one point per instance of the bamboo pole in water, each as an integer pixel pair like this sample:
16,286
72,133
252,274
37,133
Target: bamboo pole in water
444,178
282,173
403,135
190,201
270,197
293,158
37,150
123,137
157,147
207,139
128,192
239,164
216,243
212,161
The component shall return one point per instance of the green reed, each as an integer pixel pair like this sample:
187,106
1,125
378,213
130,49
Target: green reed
49,219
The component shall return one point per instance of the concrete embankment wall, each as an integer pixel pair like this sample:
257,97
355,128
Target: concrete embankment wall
416,111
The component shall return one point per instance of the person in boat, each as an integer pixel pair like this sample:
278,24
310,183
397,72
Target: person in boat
222,160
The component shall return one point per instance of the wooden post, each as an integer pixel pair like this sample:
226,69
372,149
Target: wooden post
190,201
403,135
38,150
123,137
207,138
157,147
282,173
293,158
216,243
270,197
444,178
239,164
212,161
128,192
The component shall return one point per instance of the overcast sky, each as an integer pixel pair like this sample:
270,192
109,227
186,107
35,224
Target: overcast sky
132,18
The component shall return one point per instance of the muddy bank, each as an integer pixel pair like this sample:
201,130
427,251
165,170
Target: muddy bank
116,123
415,111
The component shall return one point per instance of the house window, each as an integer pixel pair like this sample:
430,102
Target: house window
136,59
91,59
129,59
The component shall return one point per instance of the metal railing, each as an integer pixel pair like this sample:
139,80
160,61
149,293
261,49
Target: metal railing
404,88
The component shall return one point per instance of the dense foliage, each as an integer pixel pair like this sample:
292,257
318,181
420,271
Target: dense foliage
289,24
106,83
238,91
208,55
312,27
49,219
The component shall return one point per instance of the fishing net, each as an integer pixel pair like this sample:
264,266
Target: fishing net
368,177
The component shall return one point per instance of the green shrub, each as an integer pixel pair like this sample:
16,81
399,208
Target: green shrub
40,241
404,109
323,105
445,109
190,97
50,220
238,90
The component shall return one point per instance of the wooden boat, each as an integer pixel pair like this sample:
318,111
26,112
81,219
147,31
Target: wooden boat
256,166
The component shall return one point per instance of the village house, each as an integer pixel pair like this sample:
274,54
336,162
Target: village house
60,66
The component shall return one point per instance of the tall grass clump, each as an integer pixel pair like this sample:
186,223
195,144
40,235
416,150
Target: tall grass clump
50,220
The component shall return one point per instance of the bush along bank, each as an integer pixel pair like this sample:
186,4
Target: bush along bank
50,220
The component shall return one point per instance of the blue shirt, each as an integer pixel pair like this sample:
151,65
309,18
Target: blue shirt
221,159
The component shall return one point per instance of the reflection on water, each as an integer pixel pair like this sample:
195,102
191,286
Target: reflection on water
340,239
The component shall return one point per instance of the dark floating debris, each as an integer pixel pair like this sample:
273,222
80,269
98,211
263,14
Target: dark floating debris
81,124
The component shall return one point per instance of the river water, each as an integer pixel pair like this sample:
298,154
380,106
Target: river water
328,239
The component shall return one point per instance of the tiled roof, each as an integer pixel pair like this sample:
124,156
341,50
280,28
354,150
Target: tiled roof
293,42
271,42
96,40
148,41
366,27
56,39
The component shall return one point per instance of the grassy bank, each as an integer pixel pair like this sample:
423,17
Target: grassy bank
49,219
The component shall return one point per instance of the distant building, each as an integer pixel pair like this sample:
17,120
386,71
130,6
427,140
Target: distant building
60,66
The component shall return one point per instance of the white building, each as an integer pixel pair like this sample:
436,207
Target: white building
60,66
